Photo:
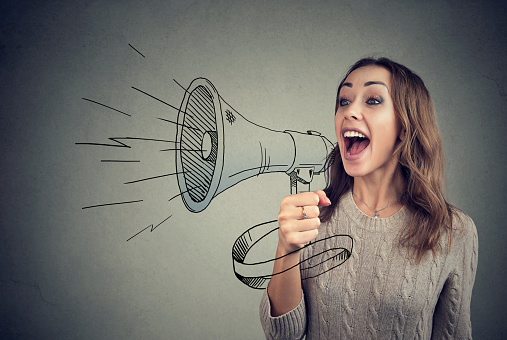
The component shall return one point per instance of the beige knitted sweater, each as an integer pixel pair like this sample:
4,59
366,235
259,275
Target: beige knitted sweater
378,293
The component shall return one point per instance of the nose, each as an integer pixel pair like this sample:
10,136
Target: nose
353,112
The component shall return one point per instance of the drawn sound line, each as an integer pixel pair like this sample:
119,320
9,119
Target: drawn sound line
160,100
109,107
184,89
123,145
107,204
150,226
179,149
137,51
150,178
121,142
118,161
170,121
181,193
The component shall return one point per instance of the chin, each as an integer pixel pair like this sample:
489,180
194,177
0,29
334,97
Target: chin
355,173
354,170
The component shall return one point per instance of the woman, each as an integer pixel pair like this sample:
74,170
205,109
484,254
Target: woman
412,268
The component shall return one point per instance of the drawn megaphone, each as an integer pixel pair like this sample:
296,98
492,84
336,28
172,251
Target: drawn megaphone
218,148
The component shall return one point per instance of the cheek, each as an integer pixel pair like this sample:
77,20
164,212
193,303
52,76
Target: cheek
386,135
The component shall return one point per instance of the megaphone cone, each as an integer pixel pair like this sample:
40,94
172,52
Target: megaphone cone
218,147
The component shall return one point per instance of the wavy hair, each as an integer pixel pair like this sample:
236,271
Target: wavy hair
421,159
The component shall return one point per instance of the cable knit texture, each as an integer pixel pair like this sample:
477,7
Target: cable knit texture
378,293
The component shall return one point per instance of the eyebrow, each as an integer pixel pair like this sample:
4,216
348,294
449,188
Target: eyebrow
375,83
368,83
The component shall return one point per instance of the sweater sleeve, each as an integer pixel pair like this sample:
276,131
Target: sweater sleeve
451,319
291,325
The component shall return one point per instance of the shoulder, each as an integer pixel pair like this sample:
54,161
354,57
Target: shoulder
462,225
463,234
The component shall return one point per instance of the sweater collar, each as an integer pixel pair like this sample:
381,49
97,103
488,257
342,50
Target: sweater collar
348,206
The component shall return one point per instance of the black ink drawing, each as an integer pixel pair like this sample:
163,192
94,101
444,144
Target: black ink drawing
114,203
217,152
216,148
257,274
135,49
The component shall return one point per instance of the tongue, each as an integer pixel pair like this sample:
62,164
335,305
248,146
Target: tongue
358,146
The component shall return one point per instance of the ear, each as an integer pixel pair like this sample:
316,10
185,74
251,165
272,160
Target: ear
402,135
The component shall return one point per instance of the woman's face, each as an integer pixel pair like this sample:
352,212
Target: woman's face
367,128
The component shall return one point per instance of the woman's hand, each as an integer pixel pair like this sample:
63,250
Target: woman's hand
295,230
284,289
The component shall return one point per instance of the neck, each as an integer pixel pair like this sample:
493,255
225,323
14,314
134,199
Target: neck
378,191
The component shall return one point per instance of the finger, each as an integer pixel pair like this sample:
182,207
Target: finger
301,199
310,211
298,226
296,237
296,213
303,237
323,199
308,236
308,224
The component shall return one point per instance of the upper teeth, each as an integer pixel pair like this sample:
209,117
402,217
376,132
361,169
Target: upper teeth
353,134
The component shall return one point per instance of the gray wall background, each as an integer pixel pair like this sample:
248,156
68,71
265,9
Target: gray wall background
68,272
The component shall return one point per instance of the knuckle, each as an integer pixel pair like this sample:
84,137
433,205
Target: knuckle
281,216
315,198
284,228
286,201
283,202
315,211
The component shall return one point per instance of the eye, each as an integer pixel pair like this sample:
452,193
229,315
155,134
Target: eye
344,102
374,100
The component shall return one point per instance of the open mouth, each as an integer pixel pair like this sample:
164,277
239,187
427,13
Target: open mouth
355,142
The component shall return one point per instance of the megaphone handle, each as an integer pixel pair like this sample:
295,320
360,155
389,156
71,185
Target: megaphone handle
294,183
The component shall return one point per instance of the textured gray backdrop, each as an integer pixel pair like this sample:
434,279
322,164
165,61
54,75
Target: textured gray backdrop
68,272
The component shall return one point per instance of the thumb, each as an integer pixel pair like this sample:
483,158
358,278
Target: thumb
323,199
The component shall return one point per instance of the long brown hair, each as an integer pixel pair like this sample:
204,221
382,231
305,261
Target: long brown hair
421,159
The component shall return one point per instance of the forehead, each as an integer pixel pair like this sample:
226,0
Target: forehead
366,74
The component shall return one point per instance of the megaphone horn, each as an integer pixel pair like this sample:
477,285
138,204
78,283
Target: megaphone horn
218,148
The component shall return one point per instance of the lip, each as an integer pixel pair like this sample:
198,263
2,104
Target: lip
346,156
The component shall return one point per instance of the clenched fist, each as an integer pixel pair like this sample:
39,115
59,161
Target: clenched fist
298,219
